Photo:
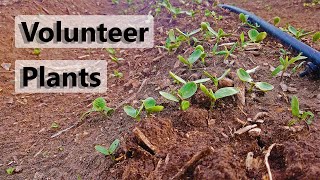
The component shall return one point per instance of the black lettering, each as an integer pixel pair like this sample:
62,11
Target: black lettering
50,34
95,79
127,34
34,27
54,80
73,32
83,75
92,34
113,33
26,76
142,33
41,75
102,31
73,79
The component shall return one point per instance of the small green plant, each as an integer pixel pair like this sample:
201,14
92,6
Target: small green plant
219,94
244,20
109,151
187,36
173,10
190,13
226,53
276,20
205,26
172,42
245,77
298,33
55,125
117,74
242,40
115,1
10,170
112,55
285,64
256,36
215,79
98,105
178,79
149,104
316,37
209,13
198,53
301,115
36,51
184,93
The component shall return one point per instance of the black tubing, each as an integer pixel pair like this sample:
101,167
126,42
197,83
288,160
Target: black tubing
290,41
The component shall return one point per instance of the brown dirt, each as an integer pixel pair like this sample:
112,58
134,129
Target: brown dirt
26,118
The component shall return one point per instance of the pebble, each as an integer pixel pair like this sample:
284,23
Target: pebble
226,82
318,96
18,169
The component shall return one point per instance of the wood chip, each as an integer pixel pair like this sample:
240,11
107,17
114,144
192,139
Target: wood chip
137,132
192,162
245,129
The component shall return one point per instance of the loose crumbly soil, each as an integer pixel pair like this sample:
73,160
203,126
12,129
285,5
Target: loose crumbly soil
25,131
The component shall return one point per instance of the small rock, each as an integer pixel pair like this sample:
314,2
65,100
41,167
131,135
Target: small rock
226,82
284,87
292,90
211,123
6,66
265,64
255,132
18,169
249,161
318,96
38,176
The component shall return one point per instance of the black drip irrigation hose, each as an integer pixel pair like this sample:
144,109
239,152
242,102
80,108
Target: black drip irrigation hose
312,67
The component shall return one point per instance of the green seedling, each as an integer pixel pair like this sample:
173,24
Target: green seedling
173,10
219,94
109,151
198,53
244,20
306,116
151,106
36,51
213,14
10,170
191,13
215,79
117,74
115,1
178,79
98,105
316,37
298,33
55,125
242,40
132,112
276,20
256,36
172,42
226,53
205,26
112,55
245,77
285,63
186,36
184,93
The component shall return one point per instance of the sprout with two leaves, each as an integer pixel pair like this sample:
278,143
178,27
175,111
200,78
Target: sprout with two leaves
109,151
98,105
215,79
245,77
198,53
306,116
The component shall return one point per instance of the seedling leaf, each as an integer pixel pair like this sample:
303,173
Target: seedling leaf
177,78
102,150
132,112
225,92
276,20
185,105
316,37
295,106
188,90
277,70
243,75
195,56
201,80
207,92
149,102
113,147
263,86
169,96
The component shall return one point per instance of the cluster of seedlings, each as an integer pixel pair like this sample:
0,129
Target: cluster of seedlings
186,89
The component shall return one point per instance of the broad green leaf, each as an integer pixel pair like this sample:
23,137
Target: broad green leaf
155,109
188,90
243,75
199,47
277,70
295,106
261,37
276,20
316,37
149,102
207,92
185,105
293,30
183,60
132,112
99,104
297,58
196,54
102,150
253,35
263,86
201,80
177,78
114,146
225,92
169,96
243,18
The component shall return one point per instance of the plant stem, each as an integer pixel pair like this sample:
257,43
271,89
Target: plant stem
251,87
